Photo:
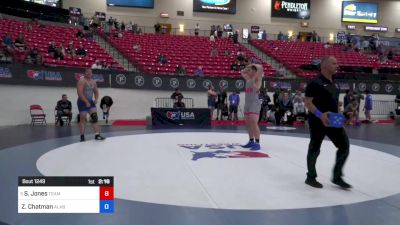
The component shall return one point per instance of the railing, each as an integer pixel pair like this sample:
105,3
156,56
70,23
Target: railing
383,107
169,102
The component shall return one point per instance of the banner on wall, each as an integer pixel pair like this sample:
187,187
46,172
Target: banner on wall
215,6
359,12
296,9
68,77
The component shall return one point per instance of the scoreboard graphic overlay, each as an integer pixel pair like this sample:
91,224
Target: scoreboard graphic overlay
65,194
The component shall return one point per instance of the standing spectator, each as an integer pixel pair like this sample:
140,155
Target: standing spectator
264,100
299,108
63,108
314,36
219,31
212,29
235,37
234,101
177,94
211,99
97,65
264,35
214,52
199,71
157,28
196,29
368,106
122,26
221,102
81,51
358,97
105,103
280,36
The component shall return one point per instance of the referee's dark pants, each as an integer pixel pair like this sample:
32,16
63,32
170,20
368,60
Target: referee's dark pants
339,138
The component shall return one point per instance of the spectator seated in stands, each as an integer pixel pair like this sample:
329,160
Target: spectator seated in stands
52,48
180,70
97,65
137,48
59,53
162,59
240,55
199,71
254,60
81,52
214,52
236,65
350,111
179,104
177,94
285,111
34,57
20,42
227,52
7,41
63,108
281,72
70,50
212,38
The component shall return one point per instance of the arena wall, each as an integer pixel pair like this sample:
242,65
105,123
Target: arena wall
128,104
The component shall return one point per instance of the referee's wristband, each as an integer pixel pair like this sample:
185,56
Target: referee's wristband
318,113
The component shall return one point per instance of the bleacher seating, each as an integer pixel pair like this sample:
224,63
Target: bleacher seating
188,51
294,54
41,36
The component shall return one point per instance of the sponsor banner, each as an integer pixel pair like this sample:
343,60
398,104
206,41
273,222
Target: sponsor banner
297,9
361,12
255,29
180,118
5,73
68,77
73,11
215,6
132,3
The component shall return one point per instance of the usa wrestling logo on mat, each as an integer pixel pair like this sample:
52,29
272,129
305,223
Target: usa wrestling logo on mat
221,151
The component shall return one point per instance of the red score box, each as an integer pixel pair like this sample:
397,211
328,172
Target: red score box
106,193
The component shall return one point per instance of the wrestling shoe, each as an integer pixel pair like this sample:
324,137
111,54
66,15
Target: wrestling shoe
82,138
313,183
248,145
340,182
255,146
98,137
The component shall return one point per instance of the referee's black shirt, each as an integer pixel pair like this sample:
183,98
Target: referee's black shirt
325,96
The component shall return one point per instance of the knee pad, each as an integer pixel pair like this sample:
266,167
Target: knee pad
94,118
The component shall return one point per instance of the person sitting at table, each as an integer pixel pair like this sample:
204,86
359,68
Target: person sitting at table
179,104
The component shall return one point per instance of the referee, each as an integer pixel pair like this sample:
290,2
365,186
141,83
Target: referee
322,97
